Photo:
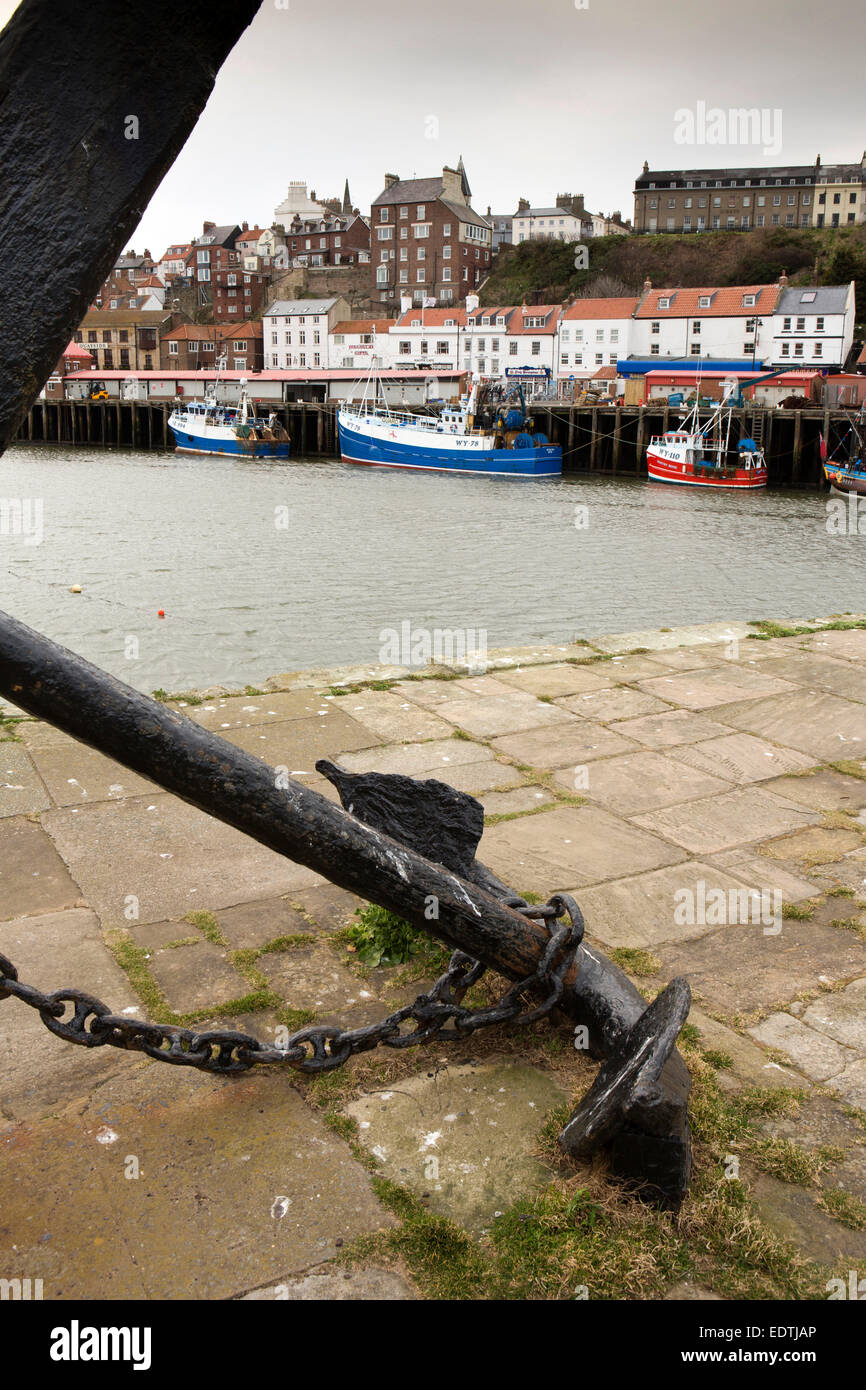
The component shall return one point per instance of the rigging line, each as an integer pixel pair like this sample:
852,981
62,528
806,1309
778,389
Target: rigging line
47,584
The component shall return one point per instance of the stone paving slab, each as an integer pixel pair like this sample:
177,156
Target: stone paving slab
817,1056
519,799
660,639
850,645
742,758
820,844
170,856
750,1065
241,1184
636,782
75,774
246,711
298,743
653,908
463,1136
671,729
327,1285
489,716
21,788
574,845
560,679
314,979
719,822
40,1072
841,1016
824,790
793,1214
391,718
821,673
738,969
821,725
196,976
717,685
551,748
33,877
616,704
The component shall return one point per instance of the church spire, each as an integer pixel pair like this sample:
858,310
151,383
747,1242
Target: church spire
467,191
347,201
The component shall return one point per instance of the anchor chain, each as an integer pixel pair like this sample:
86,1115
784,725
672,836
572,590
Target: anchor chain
319,1048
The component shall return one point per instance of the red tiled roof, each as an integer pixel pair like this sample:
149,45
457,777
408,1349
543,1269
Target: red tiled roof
549,312
364,326
601,309
75,350
606,373
726,302
432,318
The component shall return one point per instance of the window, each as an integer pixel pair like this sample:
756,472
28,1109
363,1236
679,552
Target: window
696,327
404,212
654,350
385,234
421,229
446,252
695,349
599,359
747,348
420,275
404,253
704,301
786,349
425,348
599,335
819,324
384,215
446,230
446,273
801,325
565,359
419,212
193,347
798,349
404,233
654,328
422,253
441,348
536,348
172,348
482,344
614,335
817,349
748,300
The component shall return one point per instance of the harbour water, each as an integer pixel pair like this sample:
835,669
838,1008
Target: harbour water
268,567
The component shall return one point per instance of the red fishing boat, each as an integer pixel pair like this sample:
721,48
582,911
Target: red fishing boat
703,455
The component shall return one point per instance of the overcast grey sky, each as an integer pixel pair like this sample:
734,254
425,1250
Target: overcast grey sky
539,96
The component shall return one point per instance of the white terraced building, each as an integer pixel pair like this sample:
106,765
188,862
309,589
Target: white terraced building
297,331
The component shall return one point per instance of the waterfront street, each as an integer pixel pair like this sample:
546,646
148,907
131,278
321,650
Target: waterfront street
650,774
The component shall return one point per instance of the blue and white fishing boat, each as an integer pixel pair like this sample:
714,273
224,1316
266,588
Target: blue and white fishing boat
482,434
206,427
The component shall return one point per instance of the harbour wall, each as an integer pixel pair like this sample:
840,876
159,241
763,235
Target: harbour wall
594,439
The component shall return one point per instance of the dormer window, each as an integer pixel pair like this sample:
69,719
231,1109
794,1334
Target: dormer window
664,302
704,301
500,320
749,300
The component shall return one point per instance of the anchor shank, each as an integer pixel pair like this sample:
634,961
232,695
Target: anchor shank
226,782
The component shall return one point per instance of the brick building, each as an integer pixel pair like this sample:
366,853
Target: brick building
215,266
427,241
120,339
199,346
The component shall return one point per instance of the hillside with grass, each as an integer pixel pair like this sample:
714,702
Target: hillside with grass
542,272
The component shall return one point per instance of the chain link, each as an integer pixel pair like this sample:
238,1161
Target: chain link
319,1048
